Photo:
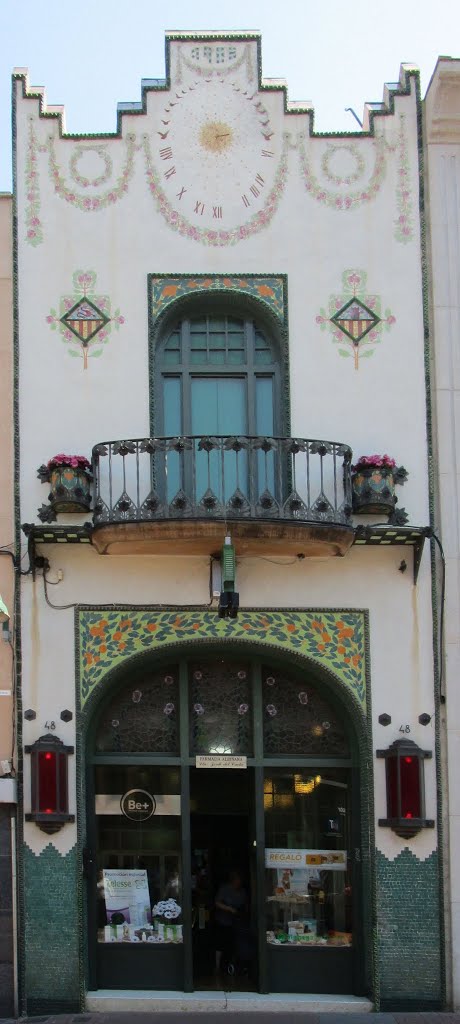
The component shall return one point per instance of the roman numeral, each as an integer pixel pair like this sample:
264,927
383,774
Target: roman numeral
267,152
181,193
166,153
199,208
255,191
260,180
217,212
245,200
169,173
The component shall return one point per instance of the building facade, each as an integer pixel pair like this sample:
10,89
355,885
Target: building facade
8,794
222,312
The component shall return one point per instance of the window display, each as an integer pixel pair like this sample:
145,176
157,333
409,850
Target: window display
139,864
308,890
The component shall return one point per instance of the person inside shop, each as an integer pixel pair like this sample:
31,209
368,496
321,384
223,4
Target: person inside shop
230,904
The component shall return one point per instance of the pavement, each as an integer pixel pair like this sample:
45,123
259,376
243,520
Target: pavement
237,1017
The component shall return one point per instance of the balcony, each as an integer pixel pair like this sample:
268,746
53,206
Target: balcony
163,495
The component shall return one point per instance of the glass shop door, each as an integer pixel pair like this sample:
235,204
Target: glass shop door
223,880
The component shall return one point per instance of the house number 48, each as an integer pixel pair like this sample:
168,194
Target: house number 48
50,725
404,728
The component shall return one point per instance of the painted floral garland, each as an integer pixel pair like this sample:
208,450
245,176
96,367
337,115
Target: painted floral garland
343,201
34,233
101,179
99,202
404,223
206,235
337,179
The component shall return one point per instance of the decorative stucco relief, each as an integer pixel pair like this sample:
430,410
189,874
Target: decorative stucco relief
355,318
333,639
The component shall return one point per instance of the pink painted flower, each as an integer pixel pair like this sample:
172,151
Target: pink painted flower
31,233
121,319
50,319
391,319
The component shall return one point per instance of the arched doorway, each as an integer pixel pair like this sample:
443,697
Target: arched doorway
207,764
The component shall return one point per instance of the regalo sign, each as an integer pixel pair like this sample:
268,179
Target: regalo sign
323,860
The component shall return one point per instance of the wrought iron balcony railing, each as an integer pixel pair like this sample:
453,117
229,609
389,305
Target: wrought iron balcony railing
286,479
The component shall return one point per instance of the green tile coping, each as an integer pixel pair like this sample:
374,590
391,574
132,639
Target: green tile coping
333,639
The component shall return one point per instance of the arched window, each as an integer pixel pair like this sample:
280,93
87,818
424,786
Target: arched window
217,375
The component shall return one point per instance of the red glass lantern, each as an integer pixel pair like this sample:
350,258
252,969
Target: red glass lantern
405,783
49,787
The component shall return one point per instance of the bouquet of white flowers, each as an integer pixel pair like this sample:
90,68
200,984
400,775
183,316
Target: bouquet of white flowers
165,912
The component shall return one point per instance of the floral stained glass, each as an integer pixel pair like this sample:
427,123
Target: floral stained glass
297,720
220,708
143,716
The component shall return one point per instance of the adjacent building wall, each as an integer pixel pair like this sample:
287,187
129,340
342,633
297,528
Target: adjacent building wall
7,751
442,120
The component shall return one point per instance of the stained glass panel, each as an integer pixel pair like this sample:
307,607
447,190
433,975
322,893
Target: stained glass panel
297,720
143,716
220,708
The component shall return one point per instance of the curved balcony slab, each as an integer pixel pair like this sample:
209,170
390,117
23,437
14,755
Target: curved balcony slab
198,537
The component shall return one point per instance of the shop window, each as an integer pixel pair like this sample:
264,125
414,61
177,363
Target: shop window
220,708
143,716
308,878
139,877
297,720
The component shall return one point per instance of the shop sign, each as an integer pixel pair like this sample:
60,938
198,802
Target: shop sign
111,803
221,761
138,805
322,860
126,894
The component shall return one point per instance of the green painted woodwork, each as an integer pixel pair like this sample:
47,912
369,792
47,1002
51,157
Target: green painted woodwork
335,640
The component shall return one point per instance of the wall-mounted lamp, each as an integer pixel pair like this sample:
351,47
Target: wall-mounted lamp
405,785
229,599
49,787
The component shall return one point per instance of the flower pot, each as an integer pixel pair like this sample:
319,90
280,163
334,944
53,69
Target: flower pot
70,489
373,491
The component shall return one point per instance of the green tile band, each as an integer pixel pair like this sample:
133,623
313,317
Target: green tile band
335,640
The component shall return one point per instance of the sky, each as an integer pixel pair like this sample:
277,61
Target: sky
91,54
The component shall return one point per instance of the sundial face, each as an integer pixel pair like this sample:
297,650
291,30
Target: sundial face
216,148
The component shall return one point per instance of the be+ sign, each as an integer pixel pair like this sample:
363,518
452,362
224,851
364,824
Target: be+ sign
138,805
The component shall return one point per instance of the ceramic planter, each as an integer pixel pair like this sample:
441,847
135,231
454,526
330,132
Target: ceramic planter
70,489
373,490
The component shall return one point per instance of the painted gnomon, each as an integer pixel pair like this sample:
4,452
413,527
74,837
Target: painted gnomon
49,783
405,788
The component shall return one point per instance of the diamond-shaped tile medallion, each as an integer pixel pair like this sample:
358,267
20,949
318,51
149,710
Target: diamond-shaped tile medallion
355,319
84,319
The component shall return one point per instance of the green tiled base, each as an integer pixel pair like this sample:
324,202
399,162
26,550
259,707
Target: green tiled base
51,931
408,932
